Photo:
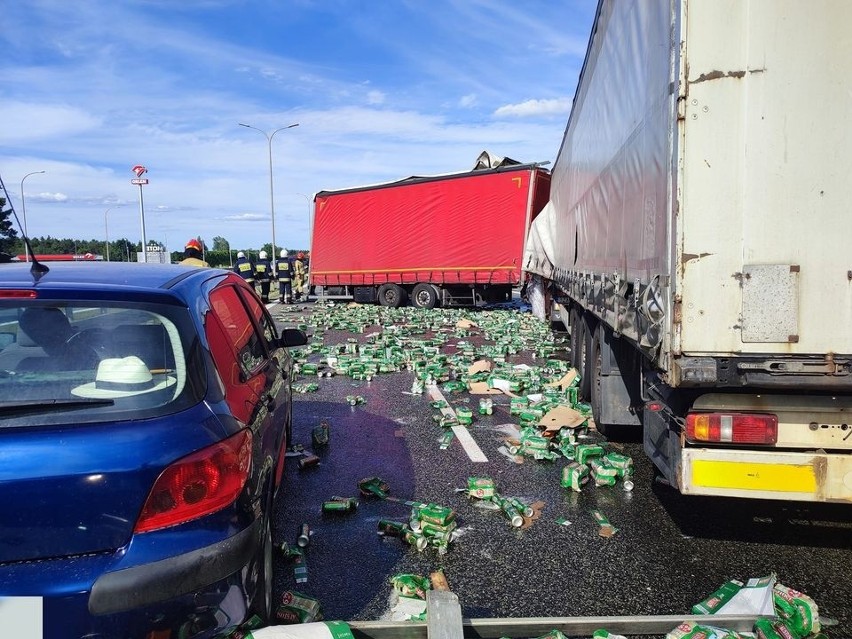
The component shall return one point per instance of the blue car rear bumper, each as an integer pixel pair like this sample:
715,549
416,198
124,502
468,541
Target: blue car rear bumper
173,577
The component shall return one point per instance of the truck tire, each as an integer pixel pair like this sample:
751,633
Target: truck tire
392,295
424,296
582,332
595,398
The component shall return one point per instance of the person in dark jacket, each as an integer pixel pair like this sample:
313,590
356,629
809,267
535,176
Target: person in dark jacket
263,273
285,278
244,268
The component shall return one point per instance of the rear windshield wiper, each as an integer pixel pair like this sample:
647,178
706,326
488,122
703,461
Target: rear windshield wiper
34,406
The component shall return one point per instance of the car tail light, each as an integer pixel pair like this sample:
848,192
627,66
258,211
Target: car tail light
199,484
732,428
17,294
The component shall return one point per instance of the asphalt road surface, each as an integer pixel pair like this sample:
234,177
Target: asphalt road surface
669,553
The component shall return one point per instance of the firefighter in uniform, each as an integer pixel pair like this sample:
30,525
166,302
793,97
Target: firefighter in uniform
298,277
285,277
263,272
192,254
244,268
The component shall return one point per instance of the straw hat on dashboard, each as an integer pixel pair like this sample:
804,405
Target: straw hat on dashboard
121,377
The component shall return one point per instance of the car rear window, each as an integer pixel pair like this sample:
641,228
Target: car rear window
97,361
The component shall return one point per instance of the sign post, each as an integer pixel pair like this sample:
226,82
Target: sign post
139,171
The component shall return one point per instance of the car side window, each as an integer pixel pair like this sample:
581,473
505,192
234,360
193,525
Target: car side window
239,329
262,319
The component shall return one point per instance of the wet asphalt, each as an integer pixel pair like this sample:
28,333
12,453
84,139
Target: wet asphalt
669,552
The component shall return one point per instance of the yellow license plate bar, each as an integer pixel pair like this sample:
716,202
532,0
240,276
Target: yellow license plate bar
793,478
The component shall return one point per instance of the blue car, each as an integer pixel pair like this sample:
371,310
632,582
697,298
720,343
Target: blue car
145,412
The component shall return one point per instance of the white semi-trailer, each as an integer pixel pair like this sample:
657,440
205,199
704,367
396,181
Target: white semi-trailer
698,240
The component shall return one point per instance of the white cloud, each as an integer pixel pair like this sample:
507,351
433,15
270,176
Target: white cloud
375,97
24,121
246,217
468,101
533,108
49,197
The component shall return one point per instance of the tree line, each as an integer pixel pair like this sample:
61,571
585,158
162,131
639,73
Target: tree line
219,254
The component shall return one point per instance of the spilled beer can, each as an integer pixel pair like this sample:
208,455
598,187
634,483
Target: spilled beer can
480,487
415,539
340,505
392,528
308,461
304,537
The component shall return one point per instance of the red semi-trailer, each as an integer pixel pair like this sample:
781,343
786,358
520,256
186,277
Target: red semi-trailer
453,239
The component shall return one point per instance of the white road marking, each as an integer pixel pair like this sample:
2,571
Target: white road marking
474,452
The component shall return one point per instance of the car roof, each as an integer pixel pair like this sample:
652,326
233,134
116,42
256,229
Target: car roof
129,279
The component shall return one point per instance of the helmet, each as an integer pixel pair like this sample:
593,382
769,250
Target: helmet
240,254
193,244
262,255
283,253
301,255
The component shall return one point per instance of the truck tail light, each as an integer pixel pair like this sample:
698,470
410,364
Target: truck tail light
199,484
732,428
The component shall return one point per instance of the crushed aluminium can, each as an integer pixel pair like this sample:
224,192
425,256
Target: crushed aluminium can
434,514
304,538
509,511
374,487
392,528
521,507
308,461
574,475
480,487
416,539
407,585
486,406
298,608
340,505
584,452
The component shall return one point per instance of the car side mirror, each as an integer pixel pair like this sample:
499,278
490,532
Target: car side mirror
292,337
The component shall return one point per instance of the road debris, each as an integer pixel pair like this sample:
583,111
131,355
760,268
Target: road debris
308,460
374,487
320,435
606,529
296,607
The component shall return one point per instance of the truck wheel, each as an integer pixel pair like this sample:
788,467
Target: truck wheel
582,333
577,328
424,296
391,295
595,365
588,335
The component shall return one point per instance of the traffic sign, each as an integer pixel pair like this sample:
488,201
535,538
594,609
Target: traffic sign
139,181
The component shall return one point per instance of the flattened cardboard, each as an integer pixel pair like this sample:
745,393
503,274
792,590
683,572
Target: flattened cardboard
561,417
481,388
479,366
566,380
466,323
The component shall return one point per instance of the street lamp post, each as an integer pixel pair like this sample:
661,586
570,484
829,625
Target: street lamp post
24,213
269,137
106,229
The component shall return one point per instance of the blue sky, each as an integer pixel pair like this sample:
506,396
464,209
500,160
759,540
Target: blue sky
381,90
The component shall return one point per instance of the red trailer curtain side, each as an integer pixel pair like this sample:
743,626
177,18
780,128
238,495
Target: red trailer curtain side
461,228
